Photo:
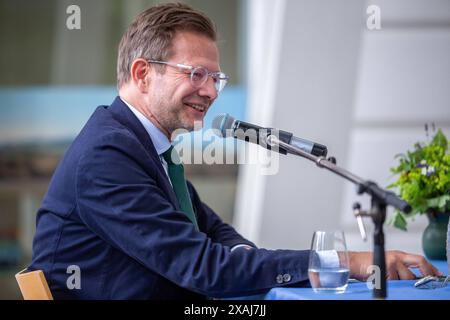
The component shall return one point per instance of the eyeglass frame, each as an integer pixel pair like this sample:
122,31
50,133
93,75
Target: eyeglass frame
214,75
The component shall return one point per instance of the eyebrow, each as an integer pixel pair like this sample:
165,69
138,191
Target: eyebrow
200,65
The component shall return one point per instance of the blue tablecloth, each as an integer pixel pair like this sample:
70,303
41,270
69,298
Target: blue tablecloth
396,290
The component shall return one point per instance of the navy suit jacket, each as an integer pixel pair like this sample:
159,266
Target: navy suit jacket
111,211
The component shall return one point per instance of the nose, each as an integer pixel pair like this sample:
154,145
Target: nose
208,89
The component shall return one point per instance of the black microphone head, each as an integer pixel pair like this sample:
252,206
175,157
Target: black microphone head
223,122
319,150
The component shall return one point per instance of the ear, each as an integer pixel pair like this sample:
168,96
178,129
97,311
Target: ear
140,74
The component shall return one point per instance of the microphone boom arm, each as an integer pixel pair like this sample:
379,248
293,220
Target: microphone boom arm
380,199
364,186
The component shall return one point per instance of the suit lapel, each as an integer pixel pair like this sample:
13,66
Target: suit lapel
126,117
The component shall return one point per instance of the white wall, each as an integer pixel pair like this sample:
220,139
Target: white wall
403,83
310,93
365,94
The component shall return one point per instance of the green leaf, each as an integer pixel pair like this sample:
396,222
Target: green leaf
439,202
393,185
398,221
423,177
440,139
400,156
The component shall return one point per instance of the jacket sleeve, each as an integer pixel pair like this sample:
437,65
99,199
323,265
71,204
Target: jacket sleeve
213,226
118,198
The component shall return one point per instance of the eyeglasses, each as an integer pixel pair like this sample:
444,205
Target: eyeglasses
199,75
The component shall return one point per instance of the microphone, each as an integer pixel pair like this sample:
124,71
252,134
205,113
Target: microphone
252,133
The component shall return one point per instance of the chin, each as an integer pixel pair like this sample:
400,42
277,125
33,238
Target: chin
194,123
188,125
198,124
194,126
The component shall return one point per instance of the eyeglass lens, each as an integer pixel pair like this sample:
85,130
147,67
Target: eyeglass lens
200,75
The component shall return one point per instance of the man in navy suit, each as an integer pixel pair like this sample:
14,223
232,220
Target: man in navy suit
118,209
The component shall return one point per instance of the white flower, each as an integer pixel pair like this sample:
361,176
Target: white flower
424,171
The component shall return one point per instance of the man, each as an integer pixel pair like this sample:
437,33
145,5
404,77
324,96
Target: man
119,209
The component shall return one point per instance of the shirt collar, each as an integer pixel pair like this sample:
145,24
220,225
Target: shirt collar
159,139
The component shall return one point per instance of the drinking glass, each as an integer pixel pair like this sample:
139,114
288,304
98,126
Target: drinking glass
328,262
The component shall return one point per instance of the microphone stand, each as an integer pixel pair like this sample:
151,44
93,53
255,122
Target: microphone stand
380,199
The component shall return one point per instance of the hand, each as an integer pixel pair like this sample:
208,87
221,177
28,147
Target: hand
397,265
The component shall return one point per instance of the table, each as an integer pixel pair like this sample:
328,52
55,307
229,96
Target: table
396,290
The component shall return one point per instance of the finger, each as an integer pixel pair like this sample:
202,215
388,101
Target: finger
435,270
392,271
426,268
404,273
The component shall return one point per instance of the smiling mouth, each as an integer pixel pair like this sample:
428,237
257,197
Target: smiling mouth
197,107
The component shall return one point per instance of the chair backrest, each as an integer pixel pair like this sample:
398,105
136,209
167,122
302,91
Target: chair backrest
33,285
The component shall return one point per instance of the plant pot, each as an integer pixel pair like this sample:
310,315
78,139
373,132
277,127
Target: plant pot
434,237
448,246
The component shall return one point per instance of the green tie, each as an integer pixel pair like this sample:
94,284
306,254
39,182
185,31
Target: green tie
176,174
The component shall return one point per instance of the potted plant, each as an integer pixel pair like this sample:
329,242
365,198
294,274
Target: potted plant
424,182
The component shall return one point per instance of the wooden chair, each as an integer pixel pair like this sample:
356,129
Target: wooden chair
33,285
